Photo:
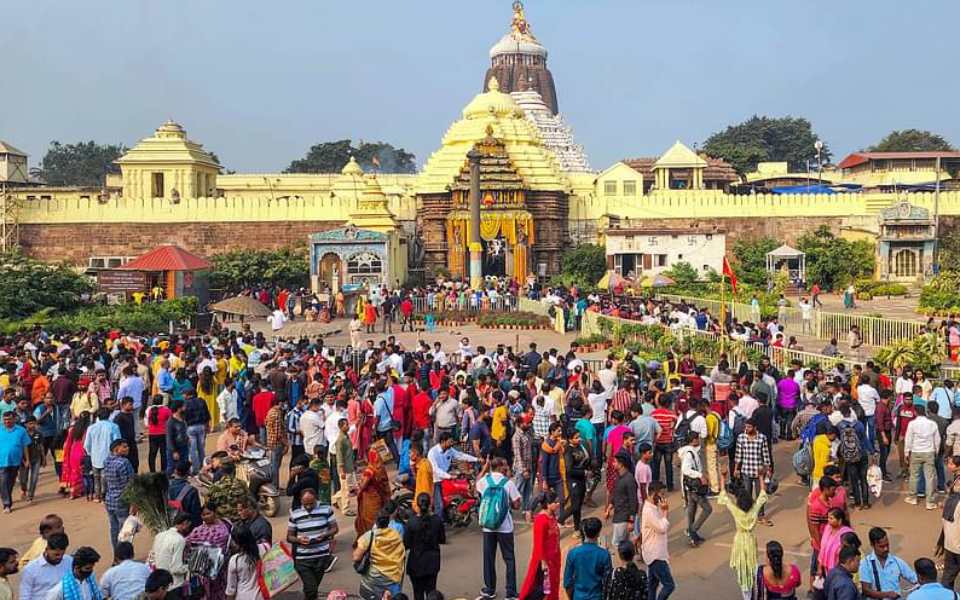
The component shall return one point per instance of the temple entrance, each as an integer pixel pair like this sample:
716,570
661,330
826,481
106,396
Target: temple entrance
905,263
495,257
330,271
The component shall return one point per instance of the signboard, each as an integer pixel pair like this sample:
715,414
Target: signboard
121,281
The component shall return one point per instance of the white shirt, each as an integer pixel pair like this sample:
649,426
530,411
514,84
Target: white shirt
311,427
690,462
868,397
227,402
598,404
806,311
923,435
168,549
331,429
512,492
440,356
903,386
39,577
747,405
608,378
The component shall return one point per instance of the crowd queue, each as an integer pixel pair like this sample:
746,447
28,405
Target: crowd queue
493,434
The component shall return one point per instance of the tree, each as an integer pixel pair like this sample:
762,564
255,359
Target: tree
331,157
833,262
28,286
241,269
751,259
912,140
83,163
583,266
682,273
765,139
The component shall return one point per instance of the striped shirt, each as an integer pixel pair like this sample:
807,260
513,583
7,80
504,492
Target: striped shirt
666,419
293,427
622,400
314,524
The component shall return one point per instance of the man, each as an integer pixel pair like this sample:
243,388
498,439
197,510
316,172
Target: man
8,566
503,535
13,443
622,505
262,401
869,398
227,491
331,433
588,565
920,447
695,488
927,578
383,418
168,550
839,582
197,417
441,457
125,579
881,572
249,515
445,412
819,503
234,440
276,439
644,427
46,571
117,473
522,446
181,495
126,421
342,453
49,525
654,528
752,460
227,402
80,582
311,529
132,386
177,438
663,446
883,424
97,445
157,586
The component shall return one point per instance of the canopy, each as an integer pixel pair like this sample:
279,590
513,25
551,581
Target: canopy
241,305
610,281
657,281
817,188
168,258
785,251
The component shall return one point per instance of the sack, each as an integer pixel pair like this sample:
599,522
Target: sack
849,451
363,565
380,447
803,460
725,437
494,504
275,571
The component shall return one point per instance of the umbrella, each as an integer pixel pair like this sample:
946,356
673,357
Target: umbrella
241,305
610,281
657,281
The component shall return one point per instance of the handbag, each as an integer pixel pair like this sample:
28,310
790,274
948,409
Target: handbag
693,485
363,565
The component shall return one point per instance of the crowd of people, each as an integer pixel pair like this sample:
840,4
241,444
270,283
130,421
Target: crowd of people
496,434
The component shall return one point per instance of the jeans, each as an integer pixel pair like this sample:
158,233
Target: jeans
659,575
198,446
490,543
525,486
856,474
51,444
884,454
116,518
334,474
578,490
387,437
8,478
663,452
28,479
951,568
871,427
921,461
438,500
694,522
598,441
158,445
98,487
276,457
311,574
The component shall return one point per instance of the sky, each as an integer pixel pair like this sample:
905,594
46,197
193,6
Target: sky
260,82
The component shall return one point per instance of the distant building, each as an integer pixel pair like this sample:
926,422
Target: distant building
638,252
680,168
13,166
770,175
901,171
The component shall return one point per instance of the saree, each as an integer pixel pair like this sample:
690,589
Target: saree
216,534
373,494
546,549
71,478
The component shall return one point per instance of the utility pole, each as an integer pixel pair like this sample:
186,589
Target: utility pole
936,216
819,147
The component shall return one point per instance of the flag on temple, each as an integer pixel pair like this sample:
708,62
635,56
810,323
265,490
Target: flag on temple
728,272
375,161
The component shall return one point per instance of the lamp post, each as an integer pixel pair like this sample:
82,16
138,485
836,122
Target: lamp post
818,145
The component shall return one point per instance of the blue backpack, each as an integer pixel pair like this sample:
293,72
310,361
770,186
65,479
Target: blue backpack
725,437
494,504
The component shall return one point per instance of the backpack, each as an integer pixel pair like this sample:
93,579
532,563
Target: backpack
681,431
175,505
803,460
739,423
849,451
494,504
725,437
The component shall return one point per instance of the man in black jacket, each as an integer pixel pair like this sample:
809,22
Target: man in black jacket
623,502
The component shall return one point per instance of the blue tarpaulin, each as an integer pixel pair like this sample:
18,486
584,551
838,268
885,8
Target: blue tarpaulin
817,189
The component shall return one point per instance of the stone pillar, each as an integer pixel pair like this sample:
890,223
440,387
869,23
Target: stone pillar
473,237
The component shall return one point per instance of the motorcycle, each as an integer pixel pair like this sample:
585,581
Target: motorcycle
253,468
460,503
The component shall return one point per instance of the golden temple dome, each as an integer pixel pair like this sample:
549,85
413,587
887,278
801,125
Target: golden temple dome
171,129
352,168
493,102
520,39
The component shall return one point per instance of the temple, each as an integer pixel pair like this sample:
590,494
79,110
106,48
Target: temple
519,62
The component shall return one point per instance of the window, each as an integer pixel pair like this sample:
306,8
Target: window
158,188
365,263
679,257
630,187
661,260
97,263
609,188
709,236
652,240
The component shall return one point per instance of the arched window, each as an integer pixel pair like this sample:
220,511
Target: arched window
364,263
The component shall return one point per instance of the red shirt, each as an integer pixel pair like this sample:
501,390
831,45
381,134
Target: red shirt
401,409
905,414
261,404
406,307
817,514
666,419
421,411
160,428
696,386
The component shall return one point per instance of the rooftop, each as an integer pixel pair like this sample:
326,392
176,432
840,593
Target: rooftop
859,158
168,258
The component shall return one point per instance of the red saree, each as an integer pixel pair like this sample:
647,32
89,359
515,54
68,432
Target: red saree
546,549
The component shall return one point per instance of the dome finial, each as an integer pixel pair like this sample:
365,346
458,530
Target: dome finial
493,85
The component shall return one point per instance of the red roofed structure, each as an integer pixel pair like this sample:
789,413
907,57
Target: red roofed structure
168,258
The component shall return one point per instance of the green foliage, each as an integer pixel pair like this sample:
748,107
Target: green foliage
683,273
331,157
868,289
146,318
925,352
912,140
764,139
148,492
942,294
751,259
583,265
949,246
28,285
83,163
834,262
516,319
239,269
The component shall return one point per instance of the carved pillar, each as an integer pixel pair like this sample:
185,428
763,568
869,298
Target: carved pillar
476,248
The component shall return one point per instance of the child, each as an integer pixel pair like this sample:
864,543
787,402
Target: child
35,458
86,466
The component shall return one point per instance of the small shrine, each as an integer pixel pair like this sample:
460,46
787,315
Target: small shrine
906,243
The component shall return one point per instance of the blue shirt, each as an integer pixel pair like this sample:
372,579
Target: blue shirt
164,381
944,400
587,566
97,441
47,426
889,573
39,577
13,441
124,581
383,409
117,473
930,591
131,387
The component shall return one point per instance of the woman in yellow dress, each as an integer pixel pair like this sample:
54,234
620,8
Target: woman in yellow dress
743,555
207,391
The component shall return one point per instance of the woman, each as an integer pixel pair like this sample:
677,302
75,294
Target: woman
831,541
627,582
360,417
926,388
243,567
71,479
423,536
207,391
180,385
578,463
213,532
385,572
776,581
743,556
370,316
543,571
372,493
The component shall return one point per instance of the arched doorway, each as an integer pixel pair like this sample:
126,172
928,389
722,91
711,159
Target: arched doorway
330,269
905,263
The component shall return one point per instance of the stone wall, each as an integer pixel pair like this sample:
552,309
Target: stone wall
76,243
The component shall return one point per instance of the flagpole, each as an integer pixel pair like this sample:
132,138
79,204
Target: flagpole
723,310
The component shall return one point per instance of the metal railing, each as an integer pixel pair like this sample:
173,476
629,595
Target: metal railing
441,303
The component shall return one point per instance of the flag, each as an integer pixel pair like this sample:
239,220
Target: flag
375,161
728,272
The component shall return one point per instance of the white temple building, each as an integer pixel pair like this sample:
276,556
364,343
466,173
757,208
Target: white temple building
556,134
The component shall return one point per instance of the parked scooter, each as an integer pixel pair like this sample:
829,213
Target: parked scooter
253,468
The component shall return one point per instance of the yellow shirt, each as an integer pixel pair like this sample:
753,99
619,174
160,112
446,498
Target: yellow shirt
499,429
220,377
713,427
387,554
821,455
35,550
424,480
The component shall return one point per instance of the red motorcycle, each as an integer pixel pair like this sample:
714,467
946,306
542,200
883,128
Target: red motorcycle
460,501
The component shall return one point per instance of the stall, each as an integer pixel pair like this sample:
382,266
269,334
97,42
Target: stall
171,272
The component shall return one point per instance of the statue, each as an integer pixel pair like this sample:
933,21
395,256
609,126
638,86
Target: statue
521,234
417,252
519,25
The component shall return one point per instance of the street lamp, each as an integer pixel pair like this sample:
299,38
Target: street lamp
819,147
